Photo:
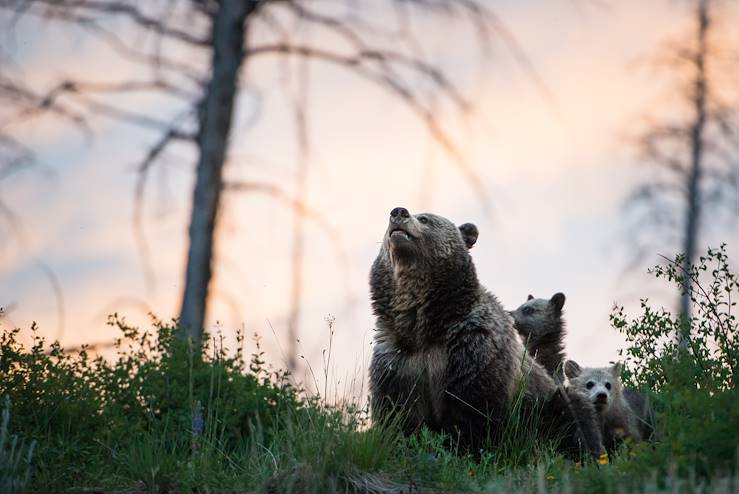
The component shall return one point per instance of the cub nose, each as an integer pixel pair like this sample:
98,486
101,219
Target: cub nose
601,397
399,213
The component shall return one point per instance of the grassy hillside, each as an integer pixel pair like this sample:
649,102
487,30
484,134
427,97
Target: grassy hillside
164,416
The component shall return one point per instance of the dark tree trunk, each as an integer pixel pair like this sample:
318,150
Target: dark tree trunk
301,191
296,290
228,33
693,210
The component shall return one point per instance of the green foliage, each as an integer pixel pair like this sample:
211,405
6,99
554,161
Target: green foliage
702,351
15,457
166,416
159,402
688,365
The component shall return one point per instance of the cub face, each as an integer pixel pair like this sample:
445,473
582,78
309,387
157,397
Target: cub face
537,315
600,384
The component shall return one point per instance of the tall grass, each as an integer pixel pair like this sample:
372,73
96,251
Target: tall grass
15,456
165,416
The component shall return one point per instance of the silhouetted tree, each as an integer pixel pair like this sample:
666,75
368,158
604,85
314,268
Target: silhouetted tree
193,52
695,154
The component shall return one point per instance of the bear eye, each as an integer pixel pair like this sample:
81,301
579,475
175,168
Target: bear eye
528,311
608,386
423,219
590,385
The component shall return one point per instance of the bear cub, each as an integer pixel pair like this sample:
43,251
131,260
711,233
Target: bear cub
541,325
539,322
603,387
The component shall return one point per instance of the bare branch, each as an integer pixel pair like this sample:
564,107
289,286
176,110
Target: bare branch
85,11
362,61
133,86
158,61
18,156
170,135
12,219
32,104
280,195
108,110
45,269
357,65
184,45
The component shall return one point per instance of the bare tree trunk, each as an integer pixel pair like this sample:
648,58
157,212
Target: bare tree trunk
301,185
296,290
364,52
693,210
228,33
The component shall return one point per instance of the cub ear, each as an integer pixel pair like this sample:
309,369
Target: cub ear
616,370
530,297
469,234
558,301
572,369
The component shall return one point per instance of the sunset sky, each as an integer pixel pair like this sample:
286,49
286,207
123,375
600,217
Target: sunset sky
556,170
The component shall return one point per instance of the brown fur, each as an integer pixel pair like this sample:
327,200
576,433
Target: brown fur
446,355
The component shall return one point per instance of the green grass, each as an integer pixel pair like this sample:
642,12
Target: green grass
134,422
164,416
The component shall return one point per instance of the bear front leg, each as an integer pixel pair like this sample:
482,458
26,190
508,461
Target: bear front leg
571,418
476,396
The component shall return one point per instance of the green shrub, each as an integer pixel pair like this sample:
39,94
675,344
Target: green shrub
688,367
159,402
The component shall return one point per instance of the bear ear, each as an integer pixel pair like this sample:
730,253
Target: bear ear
572,369
469,234
616,369
531,297
558,301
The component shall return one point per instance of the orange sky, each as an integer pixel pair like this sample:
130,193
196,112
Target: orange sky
556,180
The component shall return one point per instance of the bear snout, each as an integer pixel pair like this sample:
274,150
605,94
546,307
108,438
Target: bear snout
399,215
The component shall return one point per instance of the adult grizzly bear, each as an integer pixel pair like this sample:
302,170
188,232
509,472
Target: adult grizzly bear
446,354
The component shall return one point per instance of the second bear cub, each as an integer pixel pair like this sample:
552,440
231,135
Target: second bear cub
539,322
